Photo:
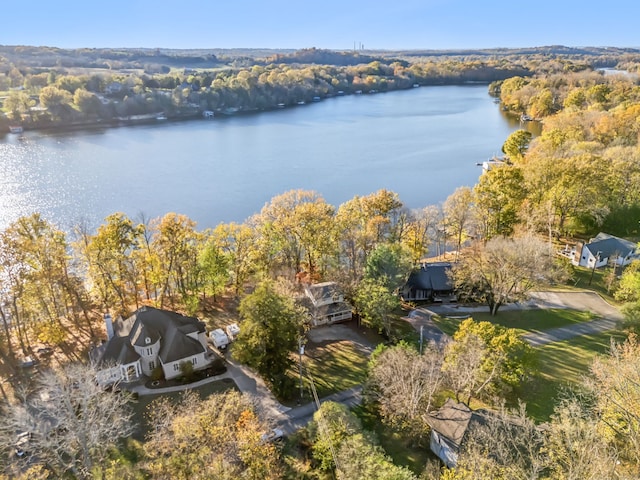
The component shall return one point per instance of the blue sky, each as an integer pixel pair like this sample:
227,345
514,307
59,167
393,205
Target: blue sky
389,24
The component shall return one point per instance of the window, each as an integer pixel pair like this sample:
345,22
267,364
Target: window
194,361
152,365
149,351
176,367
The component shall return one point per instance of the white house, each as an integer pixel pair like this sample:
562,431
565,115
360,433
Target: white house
449,426
603,250
327,304
148,339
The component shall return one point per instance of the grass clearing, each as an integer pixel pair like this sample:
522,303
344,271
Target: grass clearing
334,366
535,320
596,281
524,321
562,365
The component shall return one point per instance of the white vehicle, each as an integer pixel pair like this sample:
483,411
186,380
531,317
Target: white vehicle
219,338
232,331
272,436
22,444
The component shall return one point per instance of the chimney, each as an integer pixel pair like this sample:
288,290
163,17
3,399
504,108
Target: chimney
109,324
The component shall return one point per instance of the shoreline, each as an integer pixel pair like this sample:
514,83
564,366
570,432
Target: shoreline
100,124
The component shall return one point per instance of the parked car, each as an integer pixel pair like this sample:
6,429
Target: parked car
28,362
219,338
272,436
232,331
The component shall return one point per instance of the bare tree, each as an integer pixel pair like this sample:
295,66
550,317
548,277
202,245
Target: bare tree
504,270
576,447
70,420
404,385
458,209
615,382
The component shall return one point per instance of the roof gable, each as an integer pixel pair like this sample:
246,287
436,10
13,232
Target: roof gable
431,276
609,246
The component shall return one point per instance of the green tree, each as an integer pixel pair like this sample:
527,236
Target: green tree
516,145
214,264
296,230
498,198
359,457
237,241
629,287
86,102
332,424
268,335
109,260
175,246
17,104
374,302
390,264
486,358
57,101
458,211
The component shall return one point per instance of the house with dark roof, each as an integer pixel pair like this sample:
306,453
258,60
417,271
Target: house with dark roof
327,304
430,282
148,339
604,249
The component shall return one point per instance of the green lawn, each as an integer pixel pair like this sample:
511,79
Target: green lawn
582,279
524,321
561,365
334,367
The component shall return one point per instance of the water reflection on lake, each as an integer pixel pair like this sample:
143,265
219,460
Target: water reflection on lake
421,143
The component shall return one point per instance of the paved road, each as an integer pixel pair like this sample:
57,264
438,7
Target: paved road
292,419
609,316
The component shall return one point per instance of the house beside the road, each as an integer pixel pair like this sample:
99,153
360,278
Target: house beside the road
327,304
150,338
449,427
603,250
430,282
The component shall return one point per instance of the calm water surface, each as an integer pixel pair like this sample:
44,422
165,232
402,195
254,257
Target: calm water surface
421,143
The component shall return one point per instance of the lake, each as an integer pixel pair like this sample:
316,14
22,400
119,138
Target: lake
421,143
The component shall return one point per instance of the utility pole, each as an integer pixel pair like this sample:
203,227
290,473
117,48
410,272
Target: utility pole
421,327
595,262
300,352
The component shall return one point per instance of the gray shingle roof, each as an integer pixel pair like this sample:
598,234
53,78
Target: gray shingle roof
154,324
431,276
610,246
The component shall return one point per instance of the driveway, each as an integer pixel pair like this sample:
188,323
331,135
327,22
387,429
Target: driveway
608,315
338,332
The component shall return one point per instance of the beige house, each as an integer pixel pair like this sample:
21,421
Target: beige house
327,304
